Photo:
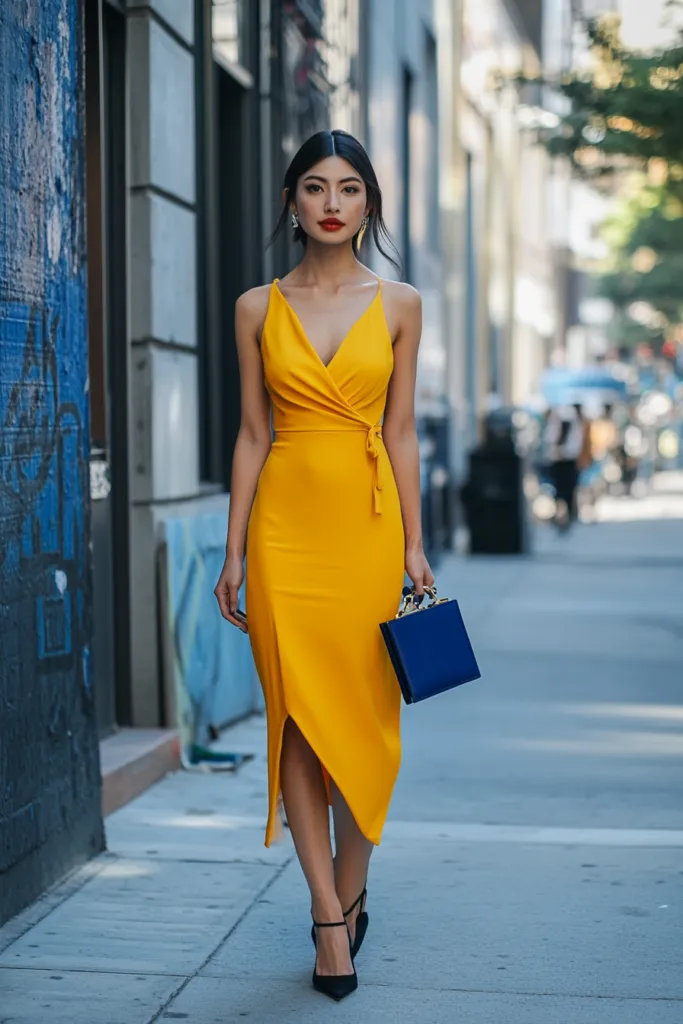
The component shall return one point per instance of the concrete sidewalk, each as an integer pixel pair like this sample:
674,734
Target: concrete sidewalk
531,870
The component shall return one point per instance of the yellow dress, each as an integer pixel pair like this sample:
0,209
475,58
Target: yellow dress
325,560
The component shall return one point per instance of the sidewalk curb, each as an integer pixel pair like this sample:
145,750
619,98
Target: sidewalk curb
132,760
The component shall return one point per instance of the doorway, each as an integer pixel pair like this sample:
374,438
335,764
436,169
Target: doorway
238,238
105,137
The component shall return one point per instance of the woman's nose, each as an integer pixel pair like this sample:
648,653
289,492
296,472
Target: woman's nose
332,204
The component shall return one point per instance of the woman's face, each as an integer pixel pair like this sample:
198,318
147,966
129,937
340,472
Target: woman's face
331,201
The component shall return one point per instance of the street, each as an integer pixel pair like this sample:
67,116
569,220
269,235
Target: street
531,870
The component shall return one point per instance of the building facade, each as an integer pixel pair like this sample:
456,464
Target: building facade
408,140
50,816
194,112
505,204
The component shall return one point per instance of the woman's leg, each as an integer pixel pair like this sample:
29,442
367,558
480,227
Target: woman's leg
352,856
562,491
305,800
572,491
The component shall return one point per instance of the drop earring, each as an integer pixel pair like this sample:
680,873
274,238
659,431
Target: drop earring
295,220
361,231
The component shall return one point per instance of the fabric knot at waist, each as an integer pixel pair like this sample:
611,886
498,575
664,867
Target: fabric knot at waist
373,434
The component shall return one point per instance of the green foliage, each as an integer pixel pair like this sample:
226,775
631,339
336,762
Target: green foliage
629,107
626,112
645,237
661,287
660,223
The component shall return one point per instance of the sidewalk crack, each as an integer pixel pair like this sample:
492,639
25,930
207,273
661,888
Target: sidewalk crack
190,977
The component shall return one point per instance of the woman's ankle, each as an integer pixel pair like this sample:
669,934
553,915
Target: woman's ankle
326,909
349,891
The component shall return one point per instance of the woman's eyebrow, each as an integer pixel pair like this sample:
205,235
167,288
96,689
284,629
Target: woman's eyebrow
342,181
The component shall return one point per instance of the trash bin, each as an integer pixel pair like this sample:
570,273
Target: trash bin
493,497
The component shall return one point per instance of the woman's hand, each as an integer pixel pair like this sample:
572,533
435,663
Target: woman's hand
417,567
227,589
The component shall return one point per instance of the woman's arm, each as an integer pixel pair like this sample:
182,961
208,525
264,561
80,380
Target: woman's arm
398,429
251,448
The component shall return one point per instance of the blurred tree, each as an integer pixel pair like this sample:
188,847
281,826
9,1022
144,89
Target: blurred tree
645,239
624,112
627,107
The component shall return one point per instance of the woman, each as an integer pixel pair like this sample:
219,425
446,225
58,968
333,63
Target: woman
333,509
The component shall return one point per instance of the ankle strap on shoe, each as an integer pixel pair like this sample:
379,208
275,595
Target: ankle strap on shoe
356,902
330,924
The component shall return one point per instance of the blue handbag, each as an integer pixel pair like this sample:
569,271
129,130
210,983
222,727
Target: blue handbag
429,646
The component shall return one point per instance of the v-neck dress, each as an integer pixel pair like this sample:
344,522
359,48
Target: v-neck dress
325,560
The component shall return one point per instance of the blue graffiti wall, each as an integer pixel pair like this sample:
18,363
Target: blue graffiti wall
49,769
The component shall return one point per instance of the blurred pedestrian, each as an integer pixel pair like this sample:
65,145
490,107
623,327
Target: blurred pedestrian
333,510
585,457
565,441
604,435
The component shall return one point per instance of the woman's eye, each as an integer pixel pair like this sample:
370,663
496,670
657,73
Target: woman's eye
352,189
313,188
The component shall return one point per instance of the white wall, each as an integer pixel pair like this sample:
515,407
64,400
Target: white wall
513,254
398,34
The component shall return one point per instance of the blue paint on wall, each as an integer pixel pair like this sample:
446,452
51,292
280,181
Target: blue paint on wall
49,768
209,662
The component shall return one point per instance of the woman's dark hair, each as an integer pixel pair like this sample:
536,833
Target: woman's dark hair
339,143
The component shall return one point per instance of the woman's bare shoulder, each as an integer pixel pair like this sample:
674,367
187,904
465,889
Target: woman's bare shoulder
401,295
401,299
251,309
254,302
402,307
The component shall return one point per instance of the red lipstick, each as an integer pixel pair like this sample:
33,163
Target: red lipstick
331,224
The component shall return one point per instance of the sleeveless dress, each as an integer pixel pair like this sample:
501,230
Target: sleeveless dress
325,560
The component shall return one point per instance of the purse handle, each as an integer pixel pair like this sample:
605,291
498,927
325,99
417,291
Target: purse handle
413,603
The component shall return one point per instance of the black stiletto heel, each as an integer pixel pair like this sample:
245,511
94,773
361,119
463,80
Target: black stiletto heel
362,921
336,986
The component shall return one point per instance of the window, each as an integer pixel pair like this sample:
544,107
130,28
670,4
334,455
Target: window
229,235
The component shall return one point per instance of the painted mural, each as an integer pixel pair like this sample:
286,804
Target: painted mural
49,772
209,669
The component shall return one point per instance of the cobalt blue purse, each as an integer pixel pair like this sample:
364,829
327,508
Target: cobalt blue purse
429,646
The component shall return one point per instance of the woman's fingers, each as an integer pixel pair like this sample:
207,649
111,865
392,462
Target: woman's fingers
233,604
226,595
422,577
237,622
233,597
222,596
